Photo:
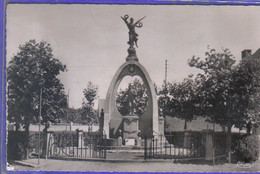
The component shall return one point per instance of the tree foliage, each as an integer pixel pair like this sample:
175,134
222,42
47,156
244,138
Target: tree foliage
216,93
184,98
179,99
73,115
136,94
31,69
248,80
227,92
88,113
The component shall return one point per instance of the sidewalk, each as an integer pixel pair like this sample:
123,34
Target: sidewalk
167,166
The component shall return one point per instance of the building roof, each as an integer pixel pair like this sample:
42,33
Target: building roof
257,54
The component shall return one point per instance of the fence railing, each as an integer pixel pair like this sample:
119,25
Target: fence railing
77,144
176,146
186,146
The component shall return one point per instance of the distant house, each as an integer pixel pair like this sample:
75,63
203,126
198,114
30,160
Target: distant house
56,127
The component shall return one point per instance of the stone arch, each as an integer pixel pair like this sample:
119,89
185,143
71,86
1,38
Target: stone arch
112,117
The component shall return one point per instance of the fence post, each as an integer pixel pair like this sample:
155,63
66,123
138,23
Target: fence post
105,155
174,150
213,142
161,144
209,146
153,146
48,142
145,147
77,142
150,149
170,150
156,142
81,145
165,147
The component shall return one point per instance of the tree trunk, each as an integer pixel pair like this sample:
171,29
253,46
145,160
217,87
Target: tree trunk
46,126
229,144
26,128
185,125
248,128
17,126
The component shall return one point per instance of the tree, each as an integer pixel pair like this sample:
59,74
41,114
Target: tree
132,99
179,100
215,85
224,89
31,70
88,113
247,78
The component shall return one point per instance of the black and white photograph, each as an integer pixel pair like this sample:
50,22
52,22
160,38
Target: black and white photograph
132,88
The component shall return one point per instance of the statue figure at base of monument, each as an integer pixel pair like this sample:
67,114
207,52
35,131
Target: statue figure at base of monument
131,26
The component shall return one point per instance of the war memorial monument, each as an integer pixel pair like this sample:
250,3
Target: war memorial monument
131,128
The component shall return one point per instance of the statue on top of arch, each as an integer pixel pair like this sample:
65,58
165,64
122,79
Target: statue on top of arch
131,26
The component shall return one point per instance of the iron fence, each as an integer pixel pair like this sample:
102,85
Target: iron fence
77,144
176,146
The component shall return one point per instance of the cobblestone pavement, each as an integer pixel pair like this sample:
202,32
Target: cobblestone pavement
64,165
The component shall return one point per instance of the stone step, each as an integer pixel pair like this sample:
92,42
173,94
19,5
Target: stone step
124,147
126,151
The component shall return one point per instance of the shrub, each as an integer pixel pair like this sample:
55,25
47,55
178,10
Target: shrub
21,151
17,145
247,148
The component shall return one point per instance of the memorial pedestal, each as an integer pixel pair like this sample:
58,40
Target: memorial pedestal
130,129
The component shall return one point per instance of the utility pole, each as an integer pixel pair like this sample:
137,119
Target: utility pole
165,80
165,91
213,154
68,99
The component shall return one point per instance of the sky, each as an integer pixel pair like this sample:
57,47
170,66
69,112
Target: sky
91,40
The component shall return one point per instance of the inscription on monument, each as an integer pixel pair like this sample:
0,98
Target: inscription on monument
130,125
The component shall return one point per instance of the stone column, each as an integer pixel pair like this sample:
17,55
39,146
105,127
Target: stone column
49,147
80,139
161,125
209,146
119,139
139,140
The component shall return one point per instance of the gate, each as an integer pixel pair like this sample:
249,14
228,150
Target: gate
77,144
176,146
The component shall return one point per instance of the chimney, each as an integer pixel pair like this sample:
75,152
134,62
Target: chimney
246,53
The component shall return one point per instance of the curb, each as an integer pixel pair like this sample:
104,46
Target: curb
108,160
22,163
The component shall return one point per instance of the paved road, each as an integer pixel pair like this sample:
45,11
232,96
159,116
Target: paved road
62,165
